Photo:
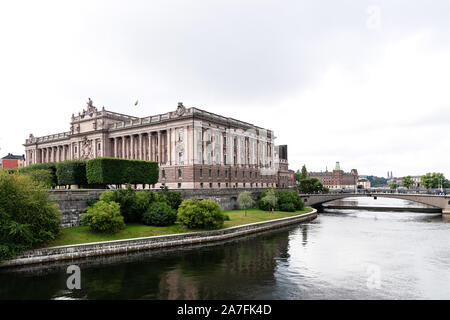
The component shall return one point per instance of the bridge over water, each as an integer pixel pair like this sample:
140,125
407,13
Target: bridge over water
438,201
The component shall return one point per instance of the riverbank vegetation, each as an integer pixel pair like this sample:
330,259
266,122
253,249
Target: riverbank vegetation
28,217
82,234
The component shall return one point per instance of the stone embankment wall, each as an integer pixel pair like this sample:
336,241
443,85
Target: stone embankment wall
73,203
128,245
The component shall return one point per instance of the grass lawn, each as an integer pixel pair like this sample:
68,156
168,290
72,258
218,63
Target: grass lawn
81,234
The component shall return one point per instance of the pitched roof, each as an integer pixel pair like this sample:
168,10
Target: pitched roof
11,156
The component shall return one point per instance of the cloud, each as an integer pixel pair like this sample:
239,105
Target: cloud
329,86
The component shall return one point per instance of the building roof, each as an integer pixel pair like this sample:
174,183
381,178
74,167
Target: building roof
11,156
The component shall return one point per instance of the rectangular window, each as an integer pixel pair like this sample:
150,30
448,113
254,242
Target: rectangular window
218,172
179,184
180,134
163,173
226,173
224,159
235,174
226,185
201,172
180,157
209,173
179,173
210,185
99,146
218,185
201,185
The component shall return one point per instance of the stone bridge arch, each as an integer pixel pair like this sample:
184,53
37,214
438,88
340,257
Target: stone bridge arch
442,202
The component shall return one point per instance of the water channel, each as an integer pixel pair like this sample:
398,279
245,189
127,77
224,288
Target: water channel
343,254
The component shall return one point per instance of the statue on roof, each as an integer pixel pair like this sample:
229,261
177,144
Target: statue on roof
90,106
180,109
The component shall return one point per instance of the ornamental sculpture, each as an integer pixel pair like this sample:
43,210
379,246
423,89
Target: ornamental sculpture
86,149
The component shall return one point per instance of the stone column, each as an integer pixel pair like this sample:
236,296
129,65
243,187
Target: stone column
169,145
186,146
132,149
159,146
122,155
150,153
140,147
115,148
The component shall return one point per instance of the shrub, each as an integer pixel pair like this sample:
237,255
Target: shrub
159,214
121,171
127,200
286,197
143,201
173,199
104,217
42,177
288,206
206,214
42,166
132,204
91,202
108,196
28,217
72,172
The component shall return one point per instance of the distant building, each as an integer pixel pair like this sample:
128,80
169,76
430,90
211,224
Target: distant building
364,182
284,175
417,181
12,161
337,179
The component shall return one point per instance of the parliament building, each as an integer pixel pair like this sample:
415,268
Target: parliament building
194,148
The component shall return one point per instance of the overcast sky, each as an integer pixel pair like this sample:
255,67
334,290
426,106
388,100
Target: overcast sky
366,83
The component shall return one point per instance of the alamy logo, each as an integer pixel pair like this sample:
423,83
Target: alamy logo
74,280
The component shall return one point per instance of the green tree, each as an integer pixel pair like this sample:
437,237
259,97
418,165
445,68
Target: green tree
393,185
299,175
311,185
270,199
377,181
434,180
245,200
407,181
28,217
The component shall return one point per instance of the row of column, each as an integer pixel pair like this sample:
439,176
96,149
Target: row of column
143,146
50,154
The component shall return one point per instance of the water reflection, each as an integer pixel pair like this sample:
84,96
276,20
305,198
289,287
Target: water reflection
328,258
228,271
